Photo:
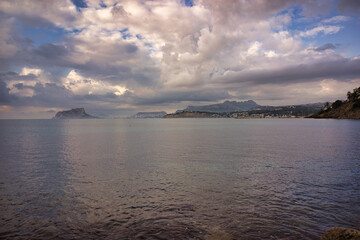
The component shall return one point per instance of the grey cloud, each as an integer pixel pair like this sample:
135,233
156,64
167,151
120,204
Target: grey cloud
325,47
40,13
9,76
341,69
181,96
102,65
349,6
19,86
49,95
52,95
50,51
4,93
118,10
131,48
97,97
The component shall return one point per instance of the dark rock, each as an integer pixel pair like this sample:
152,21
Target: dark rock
338,233
76,113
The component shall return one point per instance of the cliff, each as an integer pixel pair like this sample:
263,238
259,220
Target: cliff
349,109
76,113
149,115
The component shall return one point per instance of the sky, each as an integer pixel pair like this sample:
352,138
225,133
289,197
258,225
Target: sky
116,58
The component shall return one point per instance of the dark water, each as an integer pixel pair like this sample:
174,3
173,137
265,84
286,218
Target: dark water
178,178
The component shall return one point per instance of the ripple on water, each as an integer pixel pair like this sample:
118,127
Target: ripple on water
178,179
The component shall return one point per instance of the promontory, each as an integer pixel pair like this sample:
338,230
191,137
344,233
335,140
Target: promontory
75,113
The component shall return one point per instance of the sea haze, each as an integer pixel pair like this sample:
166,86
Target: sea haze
178,178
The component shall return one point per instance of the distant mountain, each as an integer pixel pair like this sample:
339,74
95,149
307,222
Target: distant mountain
283,111
197,114
76,113
149,115
289,111
227,106
348,109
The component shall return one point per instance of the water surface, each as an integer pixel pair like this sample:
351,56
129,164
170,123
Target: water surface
178,178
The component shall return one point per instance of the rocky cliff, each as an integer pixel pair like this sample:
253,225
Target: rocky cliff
349,109
76,113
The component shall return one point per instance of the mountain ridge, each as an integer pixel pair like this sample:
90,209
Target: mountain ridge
141,115
227,106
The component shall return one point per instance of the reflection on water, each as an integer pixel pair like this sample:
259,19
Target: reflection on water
178,178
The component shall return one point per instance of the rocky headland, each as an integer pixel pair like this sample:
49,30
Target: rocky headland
348,109
76,113
149,115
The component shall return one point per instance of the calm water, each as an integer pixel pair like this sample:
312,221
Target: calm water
178,178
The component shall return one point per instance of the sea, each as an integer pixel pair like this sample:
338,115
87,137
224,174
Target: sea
178,178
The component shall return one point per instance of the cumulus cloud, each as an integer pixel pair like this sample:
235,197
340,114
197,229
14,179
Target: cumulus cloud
130,54
81,86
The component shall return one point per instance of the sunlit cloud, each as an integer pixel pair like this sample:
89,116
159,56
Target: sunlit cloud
142,54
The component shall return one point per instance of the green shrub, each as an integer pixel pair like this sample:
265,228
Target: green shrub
336,104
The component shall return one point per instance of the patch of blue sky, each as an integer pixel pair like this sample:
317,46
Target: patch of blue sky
79,4
299,21
149,45
188,3
348,38
43,35
102,4
125,33
150,48
124,30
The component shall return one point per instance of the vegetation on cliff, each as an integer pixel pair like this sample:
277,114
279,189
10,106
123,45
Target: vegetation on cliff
348,109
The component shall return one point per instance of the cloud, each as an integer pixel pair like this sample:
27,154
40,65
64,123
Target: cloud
349,6
309,72
7,46
336,19
4,93
167,97
166,53
41,12
320,29
80,86
325,47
